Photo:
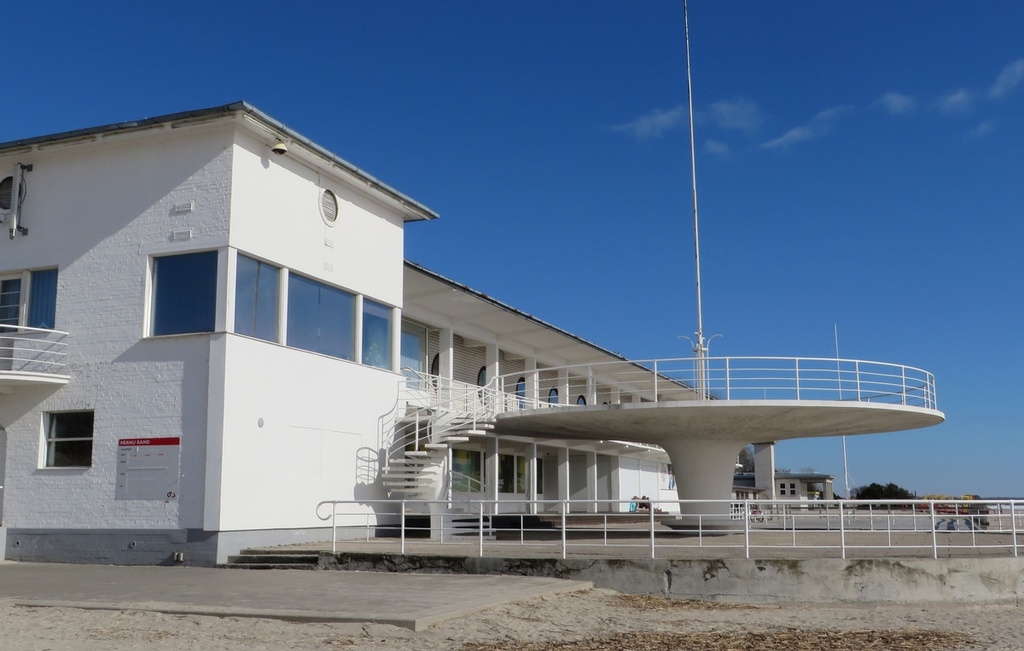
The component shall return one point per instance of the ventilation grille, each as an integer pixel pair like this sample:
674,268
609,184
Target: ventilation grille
329,206
6,190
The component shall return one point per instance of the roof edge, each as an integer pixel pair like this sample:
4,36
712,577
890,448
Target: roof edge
419,212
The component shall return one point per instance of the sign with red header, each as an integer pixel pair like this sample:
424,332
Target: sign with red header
148,468
134,443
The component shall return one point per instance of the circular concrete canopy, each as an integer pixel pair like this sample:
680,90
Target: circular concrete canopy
743,421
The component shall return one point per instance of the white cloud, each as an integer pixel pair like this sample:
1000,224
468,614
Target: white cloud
983,129
960,101
717,148
897,103
820,125
738,113
654,124
1011,76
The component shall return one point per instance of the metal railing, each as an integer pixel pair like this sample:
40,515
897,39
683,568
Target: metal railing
726,378
33,351
785,529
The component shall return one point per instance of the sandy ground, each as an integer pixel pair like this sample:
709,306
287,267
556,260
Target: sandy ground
592,620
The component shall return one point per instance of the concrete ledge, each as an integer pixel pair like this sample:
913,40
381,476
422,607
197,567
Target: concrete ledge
746,580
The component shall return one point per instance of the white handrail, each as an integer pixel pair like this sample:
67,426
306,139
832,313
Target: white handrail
33,351
912,528
733,378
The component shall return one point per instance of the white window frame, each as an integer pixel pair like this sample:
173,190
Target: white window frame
49,443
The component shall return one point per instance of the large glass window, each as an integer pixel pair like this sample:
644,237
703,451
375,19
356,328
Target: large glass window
184,293
414,348
256,302
42,300
467,475
10,301
69,439
320,318
376,334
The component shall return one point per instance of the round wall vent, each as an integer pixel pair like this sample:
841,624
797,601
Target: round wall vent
329,207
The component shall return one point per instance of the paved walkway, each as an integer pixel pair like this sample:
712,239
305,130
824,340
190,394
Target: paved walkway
413,601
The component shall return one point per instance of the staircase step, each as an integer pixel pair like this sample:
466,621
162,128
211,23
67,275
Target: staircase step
455,439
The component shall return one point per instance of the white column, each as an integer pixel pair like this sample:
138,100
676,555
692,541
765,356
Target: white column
446,353
396,339
357,340
532,392
491,361
592,481
282,307
531,476
591,387
491,469
225,319
563,473
563,388
616,395
704,469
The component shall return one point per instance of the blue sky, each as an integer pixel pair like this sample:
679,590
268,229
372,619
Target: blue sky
859,164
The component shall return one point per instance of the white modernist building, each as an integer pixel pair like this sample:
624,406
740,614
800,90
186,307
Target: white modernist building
207,326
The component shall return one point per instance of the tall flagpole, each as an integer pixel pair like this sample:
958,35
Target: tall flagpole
700,349
846,467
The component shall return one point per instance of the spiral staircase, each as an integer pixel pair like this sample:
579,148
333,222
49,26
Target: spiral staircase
431,415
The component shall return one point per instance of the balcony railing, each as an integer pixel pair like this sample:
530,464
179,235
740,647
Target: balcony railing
724,378
785,529
32,355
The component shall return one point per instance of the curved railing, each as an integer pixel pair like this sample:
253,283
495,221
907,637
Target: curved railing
720,378
32,352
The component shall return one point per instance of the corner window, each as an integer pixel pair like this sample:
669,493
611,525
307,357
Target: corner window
69,439
376,334
320,318
10,301
184,293
40,305
256,298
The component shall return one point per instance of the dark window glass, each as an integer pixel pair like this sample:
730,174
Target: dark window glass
10,301
481,376
42,303
376,334
69,439
582,400
185,293
320,318
553,396
256,302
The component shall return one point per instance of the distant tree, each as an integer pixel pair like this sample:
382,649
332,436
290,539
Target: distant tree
746,459
876,491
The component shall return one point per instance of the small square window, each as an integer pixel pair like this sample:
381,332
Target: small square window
69,439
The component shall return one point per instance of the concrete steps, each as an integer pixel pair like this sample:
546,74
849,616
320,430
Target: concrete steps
264,559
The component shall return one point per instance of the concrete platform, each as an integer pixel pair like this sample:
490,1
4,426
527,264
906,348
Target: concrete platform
413,601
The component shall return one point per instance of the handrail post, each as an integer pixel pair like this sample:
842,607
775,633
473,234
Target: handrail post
796,373
480,527
746,529
402,526
1013,526
903,371
655,397
935,536
842,532
728,381
856,370
651,520
564,508
334,528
